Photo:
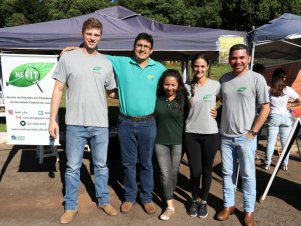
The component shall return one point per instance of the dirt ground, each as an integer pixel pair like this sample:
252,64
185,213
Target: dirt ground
32,193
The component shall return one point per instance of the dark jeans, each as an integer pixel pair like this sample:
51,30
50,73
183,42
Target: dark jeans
136,140
169,158
201,150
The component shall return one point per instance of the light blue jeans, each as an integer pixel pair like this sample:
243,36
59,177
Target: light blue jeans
277,123
169,158
233,150
76,138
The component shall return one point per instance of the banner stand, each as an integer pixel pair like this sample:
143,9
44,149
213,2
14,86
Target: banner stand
42,152
290,140
2,106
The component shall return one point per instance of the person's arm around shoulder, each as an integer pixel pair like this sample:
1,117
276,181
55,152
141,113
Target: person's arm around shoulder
54,107
69,48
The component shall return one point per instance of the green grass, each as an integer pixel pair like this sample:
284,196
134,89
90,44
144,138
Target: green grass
217,70
2,124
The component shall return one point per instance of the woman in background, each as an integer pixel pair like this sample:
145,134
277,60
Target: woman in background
170,111
282,97
201,133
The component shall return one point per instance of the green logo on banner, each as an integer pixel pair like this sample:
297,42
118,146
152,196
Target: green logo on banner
241,89
29,74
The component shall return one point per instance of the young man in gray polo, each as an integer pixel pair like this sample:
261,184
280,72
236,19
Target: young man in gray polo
86,74
241,89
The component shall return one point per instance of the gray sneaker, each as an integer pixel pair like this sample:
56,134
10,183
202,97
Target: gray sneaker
202,211
193,209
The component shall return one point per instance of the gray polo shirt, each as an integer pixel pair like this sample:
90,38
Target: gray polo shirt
199,119
239,95
86,78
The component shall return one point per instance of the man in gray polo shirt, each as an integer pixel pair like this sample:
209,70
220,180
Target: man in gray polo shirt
86,74
240,89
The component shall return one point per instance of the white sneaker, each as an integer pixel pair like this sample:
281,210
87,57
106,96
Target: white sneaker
167,214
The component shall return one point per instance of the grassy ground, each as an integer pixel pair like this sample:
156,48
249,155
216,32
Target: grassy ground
216,71
2,124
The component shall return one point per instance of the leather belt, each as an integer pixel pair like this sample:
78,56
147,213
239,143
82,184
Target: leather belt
137,118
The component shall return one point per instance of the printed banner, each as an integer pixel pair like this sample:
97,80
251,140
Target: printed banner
2,106
225,43
27,88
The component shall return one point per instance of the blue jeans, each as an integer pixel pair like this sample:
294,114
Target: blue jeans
169,158
277,123
76,138
137,140
242,149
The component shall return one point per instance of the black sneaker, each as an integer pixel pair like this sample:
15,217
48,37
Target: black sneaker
202,211
193,209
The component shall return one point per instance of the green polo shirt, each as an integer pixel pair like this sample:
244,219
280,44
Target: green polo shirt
170,121
137,87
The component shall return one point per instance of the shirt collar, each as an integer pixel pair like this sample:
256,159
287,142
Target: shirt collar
151,62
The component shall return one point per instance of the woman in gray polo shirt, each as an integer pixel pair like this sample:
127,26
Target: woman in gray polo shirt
201,133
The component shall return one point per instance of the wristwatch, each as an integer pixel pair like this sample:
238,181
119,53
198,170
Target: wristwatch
253,133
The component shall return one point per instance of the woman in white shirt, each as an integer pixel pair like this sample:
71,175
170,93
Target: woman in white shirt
279,121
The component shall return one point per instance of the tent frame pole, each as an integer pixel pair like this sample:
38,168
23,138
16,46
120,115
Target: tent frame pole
253,55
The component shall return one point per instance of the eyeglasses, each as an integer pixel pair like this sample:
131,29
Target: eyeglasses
140,46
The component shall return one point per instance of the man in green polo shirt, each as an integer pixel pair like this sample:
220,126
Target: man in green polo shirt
138,78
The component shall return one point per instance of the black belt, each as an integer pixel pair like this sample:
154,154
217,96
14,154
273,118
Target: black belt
137,118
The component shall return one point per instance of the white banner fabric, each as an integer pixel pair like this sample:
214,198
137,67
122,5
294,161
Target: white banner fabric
28,86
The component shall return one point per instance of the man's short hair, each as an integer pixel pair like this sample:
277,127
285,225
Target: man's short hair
92,23
239,47
144,36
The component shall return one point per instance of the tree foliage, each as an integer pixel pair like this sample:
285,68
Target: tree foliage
61,9
17,12
226,14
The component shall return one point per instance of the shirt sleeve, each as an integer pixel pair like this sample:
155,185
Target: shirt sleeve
292,93
111,81
262,91
188,88
60,72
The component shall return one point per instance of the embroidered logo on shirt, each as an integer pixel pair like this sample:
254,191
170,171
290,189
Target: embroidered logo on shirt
241,89
96,68
150,77
207,97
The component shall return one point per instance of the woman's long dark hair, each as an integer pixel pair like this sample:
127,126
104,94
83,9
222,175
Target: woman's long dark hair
194,59
278,83
181,93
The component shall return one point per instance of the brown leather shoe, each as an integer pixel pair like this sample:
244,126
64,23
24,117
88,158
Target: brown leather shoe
150,208
108,209
224,214
249,219
68,215
126,207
